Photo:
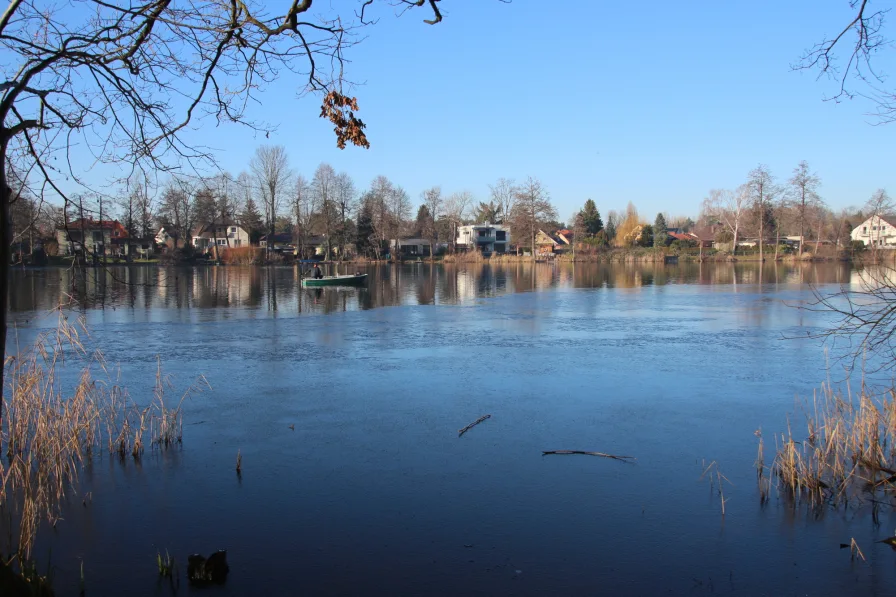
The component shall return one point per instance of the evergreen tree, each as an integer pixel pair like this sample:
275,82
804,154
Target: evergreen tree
659,231
421,226
591,218
365,233
251,221
611,228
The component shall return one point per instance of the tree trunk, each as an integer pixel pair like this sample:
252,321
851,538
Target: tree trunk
734,246
818,236
5,242
777,240
761,229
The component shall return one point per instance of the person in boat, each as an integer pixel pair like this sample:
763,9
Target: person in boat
316,273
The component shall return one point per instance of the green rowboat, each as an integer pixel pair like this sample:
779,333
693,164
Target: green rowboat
349,280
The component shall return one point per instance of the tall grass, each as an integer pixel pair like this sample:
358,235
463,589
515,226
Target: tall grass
242,255
848,452
50,432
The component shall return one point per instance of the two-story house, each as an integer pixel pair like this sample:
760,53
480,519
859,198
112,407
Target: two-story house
95,236
877,231
488,238
225,234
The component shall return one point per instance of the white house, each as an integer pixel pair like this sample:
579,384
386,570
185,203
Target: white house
225,234
488,238
876,231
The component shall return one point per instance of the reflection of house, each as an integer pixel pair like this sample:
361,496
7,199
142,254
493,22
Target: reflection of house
876,231
488,238
410,247
97,236
224,234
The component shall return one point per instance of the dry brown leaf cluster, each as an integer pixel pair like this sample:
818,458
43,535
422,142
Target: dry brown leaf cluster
339,109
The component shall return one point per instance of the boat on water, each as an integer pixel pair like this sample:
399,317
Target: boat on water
346,280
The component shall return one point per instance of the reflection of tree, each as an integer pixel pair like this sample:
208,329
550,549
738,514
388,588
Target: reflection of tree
426,284
388,285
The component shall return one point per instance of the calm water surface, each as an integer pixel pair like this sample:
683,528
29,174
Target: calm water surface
374,493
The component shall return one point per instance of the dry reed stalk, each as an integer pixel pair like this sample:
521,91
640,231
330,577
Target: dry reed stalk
50,433
239,462
849,448
714,474
854,550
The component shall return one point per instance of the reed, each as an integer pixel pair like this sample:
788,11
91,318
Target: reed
848,452
51,432
713,473
242,256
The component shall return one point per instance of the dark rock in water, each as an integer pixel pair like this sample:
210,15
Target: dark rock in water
203,571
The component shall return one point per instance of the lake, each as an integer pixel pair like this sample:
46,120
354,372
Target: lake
374,493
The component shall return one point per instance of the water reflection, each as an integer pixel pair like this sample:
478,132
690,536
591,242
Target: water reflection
278,289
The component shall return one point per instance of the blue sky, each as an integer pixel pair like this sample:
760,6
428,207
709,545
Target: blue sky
651,102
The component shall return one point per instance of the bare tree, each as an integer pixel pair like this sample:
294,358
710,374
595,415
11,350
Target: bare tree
531,210
456,207
323,187
878,206
302,211
803,195
867,40
400,208
432,199
729,208
345,202
270,166
377,198
761,188
176,211
503,194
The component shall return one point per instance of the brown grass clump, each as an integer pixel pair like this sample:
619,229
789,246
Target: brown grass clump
242,255
50,432
848,453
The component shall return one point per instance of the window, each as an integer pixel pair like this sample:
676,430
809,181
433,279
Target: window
233,229
864,229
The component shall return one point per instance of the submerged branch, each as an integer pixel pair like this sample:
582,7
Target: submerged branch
601,454
460,432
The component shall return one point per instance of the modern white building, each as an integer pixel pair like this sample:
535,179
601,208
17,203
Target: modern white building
488,238
876,231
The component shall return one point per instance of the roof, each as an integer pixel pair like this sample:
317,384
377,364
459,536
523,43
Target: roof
280,237
704,233
681,236
204,229
89,223
539,238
